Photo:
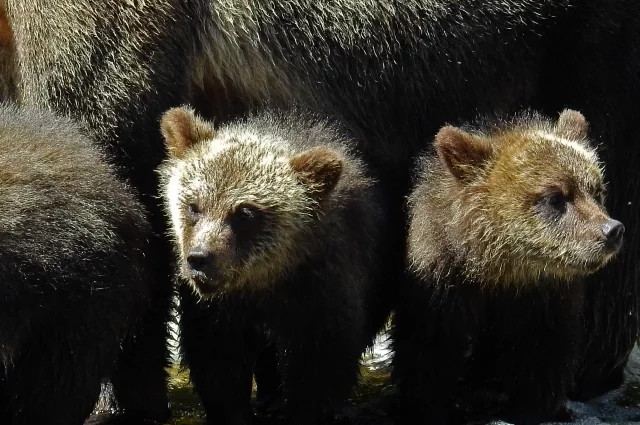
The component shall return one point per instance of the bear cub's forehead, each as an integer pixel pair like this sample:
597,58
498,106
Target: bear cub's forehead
577,160
554,155
229,158
246,149
229,170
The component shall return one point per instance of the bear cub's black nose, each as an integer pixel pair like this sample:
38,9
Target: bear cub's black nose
199,259
613,231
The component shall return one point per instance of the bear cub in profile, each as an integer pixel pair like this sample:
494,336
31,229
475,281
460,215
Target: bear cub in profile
73,270
278,231
505,221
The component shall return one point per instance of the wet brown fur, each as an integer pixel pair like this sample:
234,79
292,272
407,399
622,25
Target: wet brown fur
505,221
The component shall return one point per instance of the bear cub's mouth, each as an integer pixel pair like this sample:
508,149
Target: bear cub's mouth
597,261
208,284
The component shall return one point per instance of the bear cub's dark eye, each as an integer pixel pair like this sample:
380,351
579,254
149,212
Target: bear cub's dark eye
599,195
246,218
194,211
554,203
247,213
556,200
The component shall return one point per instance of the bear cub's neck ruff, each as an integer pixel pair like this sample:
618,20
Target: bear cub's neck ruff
512,204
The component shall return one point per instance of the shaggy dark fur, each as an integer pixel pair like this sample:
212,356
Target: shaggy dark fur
73,271
116,66
292,229
395,71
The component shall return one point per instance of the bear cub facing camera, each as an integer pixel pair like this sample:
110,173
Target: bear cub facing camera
505,221
278,231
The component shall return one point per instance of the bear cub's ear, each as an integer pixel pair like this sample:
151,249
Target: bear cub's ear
462,153
182,128
572,125
319,169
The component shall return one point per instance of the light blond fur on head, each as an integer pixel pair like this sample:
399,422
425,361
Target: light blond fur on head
222,170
